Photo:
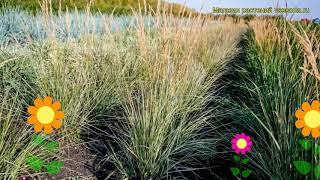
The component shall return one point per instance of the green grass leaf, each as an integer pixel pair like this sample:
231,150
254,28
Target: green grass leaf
317,150
54,167
52,146
303,167
317,172
34,162
236,158
235,171
305,144
245,161
246,173
38,139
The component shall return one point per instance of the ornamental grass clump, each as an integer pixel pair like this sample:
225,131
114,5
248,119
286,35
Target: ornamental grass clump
277,78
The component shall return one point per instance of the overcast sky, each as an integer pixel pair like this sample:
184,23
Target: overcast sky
207,5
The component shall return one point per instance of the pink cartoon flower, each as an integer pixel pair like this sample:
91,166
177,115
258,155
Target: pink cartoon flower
241,143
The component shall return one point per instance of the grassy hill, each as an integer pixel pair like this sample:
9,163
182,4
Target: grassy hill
105,6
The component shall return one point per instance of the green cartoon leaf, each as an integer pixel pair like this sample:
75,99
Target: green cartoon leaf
54,167
317,150
317,172
305,144
235,171
35,162
302,166
245,161
52,146
38,139
236,158
246,173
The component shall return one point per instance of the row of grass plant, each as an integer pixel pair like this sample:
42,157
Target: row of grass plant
275,80
161,75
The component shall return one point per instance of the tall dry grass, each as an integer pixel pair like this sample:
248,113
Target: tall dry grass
167,123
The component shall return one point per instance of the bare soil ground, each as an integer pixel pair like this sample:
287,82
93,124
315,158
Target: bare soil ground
77,163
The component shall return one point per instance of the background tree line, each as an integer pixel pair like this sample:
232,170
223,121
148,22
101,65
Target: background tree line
118,7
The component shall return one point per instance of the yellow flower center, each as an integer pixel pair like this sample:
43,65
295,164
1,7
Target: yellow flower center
241,143
45,115
312,119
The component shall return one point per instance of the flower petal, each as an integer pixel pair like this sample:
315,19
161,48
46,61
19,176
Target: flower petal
47,101
249,143
300,114
243,152
247,138
243,135
299,124
306,106
38,103
48,129
56,124
238,151
32,110
234,147
248,149
32,119
59,115
237,136
56,106
306,131
315,105
234,140
315,133
38,127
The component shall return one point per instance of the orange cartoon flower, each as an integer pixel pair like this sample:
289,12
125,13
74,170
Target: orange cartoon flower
45,115
309,119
